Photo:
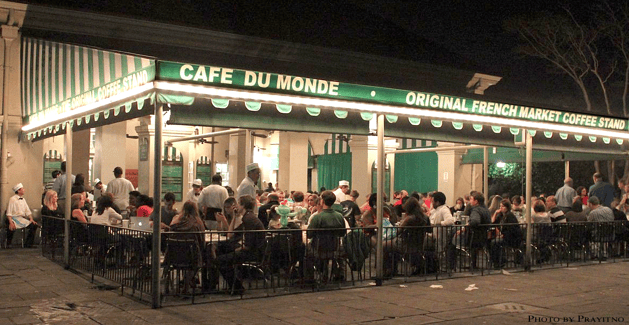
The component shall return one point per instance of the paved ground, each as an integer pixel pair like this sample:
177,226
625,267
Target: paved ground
34,290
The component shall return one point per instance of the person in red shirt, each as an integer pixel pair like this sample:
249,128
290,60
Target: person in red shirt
145,206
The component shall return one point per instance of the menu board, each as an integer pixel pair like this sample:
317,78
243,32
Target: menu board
49,167
204,172
172,179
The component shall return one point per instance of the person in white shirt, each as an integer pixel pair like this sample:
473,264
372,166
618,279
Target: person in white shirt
341,192
105,214
248,184
59,186
19,216
440,216
195,192
212,198
120,188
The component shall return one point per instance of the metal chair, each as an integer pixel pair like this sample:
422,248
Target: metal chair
182,263
260,266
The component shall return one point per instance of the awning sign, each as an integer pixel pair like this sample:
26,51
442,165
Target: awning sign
279,83
58,77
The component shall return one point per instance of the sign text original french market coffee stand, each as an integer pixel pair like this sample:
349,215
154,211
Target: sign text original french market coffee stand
279,83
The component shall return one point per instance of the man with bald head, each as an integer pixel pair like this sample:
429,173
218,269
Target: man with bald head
565,195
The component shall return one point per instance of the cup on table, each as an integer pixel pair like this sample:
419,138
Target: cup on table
125,223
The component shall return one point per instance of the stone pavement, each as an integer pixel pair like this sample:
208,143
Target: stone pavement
34,290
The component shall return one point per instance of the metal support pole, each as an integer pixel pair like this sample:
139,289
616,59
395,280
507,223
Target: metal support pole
157,218
486,173
380,200
529,189
567,169
68,206
212,162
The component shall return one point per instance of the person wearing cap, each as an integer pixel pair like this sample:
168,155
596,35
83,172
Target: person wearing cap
341,191
19,216
565,195
248,184
195,191
97,190
120,187
60,186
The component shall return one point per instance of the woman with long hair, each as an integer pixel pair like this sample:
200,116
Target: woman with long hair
105,214
78,202
583,193
508,233
50,207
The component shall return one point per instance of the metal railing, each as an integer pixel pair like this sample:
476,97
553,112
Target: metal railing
209,266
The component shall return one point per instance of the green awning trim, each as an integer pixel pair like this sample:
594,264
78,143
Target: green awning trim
176,99
96,117
457,125
477,127
606,140
592,138
563,136
313,111
619,141
414,120
532,132
578,137
220,102
78,122
548,134
340,114
117,111
391,118
436,123
106,113
496,129
514,131
366,116
284,109
253,106
127,107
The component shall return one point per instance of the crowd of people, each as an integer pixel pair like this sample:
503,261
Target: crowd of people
216,207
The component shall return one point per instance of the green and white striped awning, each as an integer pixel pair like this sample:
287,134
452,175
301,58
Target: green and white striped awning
59,78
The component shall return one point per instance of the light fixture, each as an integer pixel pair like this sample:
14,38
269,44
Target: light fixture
238,94
501,164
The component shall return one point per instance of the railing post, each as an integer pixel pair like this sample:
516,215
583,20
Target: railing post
529,189
380,200
68,204
157,218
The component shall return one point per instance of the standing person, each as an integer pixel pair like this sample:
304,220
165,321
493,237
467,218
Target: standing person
248,184
60,186
120,187
565,194
195,192
479,219
212,198
341,192
98,190
19,216
54,175
602,190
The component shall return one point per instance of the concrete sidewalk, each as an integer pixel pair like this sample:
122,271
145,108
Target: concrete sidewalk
34,290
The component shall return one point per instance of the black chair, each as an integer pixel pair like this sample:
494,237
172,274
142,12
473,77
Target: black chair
182,262
251,269
326,250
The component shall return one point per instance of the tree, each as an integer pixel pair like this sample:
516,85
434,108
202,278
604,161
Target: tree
591,48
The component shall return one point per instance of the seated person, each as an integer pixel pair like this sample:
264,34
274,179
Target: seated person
168,210
251,247
78,201
274,218
145,206
104,213
410,237
50,207
326,219
19,216
188,225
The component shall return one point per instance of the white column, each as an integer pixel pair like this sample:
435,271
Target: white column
361,168
283,178
298,175
110,150
449,173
